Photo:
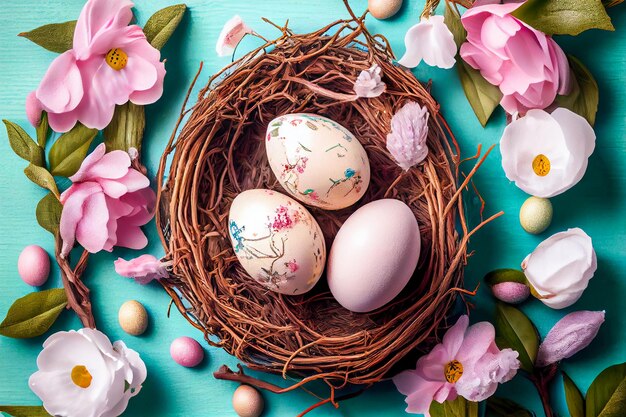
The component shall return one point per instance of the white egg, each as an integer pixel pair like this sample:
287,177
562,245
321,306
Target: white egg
318,161
384,9
277,241
374,255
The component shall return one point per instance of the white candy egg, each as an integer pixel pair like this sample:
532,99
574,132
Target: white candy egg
277,241
317,161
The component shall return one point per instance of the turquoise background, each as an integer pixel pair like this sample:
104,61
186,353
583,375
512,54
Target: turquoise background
597,204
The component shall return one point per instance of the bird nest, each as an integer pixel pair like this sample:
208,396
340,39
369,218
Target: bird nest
219,152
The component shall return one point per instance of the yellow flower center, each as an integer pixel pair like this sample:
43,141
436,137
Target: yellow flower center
453,371
117,59
81,376
541,165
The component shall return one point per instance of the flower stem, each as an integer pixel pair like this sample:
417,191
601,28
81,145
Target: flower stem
541,379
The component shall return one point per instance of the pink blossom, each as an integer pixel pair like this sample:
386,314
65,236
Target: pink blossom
106,204
283,219
569,336
110,63
409,132
292,265
143,269
528,66
467,363
232,33
369,83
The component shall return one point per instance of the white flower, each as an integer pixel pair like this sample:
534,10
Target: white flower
81,374
233,31
560,268
369,83
430,40
546,154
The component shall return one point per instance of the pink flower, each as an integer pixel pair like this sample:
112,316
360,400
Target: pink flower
409,132
569,336
292,265
110,63
528,66
143,269
467,363
106,204
232,33
283,219
369,83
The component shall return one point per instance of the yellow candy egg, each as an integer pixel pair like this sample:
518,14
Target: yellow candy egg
535,215
133,317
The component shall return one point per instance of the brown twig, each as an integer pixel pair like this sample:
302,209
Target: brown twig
77,292
541,379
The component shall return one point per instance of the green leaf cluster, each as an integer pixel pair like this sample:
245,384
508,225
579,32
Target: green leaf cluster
457,408
498,276
514,330
502,407
606,397
584,97
24,411
33,314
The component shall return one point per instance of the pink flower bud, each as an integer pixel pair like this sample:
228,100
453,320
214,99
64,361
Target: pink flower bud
511,292
569,336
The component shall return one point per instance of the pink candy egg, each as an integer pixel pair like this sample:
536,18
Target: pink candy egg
33,265
186,352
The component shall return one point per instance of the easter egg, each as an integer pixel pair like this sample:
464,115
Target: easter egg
373,255
33,265
247,401
133,317
384,9
318,161
535,215
186,352
277,241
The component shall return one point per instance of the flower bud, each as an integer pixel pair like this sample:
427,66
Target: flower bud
569,336
560,268
511,292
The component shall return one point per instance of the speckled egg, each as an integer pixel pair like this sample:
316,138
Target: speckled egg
186,352
277,241
318,161
33,265
384,9
133,317
247,401
373,255
535,215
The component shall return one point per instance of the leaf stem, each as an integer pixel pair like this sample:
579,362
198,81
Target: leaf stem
541,378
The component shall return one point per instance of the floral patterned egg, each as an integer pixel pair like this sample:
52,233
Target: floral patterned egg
317,161
277,241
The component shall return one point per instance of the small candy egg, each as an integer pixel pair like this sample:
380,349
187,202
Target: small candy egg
133,317
535,215
384,9
33,265
186,352
247,401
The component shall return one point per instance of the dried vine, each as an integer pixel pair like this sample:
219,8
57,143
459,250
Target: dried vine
220,152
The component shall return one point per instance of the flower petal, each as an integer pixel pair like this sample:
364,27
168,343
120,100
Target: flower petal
233,31
97,22
61,89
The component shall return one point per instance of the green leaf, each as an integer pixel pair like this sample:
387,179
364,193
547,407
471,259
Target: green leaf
584,97
482,96
457,408
23,145
573,397
452,19
49,213
564,17
162,24
606,397
42,178
126,129
70,149
33,314
43,130
516,331
502,407
24,410
498,276
55,37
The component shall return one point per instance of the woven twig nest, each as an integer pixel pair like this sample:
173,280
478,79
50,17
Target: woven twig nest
220,152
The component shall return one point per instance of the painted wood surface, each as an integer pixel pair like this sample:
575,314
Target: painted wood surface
597,204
